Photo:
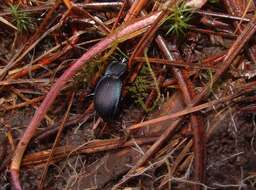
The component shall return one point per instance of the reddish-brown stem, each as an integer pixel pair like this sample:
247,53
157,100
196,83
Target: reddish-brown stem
207,31
147,37
90,147
46,60
119,16
65,77
237,8
23,104
56,141
101,5
135,9
20,54
177,63
77,10
152,95
222,15
76,119
166,134
187,92
232,53
213,23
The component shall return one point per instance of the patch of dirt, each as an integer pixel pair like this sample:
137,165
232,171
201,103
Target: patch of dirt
231,154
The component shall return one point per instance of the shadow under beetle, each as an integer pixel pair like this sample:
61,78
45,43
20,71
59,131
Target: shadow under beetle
108,90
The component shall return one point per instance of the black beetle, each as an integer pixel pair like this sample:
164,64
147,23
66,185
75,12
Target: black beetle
108,90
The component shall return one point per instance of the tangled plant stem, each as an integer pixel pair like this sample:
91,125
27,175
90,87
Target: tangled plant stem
66,76
121,34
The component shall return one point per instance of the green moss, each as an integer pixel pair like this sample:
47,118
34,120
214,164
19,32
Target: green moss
83,78
140,89
178,19
21,19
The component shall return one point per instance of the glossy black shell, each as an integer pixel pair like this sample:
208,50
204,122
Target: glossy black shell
116,69
107,97
108,90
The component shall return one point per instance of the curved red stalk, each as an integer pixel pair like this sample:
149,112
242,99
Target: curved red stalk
55,89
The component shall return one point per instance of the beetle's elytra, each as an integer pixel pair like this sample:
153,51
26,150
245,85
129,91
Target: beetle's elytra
108,91
107,97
